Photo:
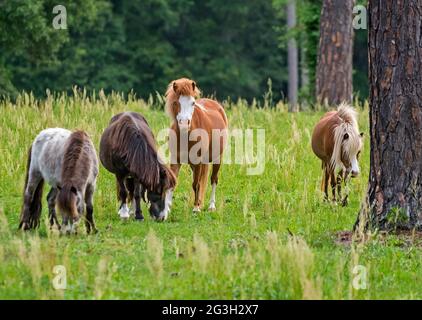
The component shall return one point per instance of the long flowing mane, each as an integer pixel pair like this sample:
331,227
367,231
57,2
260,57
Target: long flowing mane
134,143
349,126
177,88
75,168
76,159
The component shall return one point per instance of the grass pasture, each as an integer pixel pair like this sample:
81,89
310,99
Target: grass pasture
244,250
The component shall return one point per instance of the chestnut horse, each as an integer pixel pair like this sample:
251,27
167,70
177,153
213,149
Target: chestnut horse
196,121
337,142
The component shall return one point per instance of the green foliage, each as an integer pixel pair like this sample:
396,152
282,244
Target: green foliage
124,45
231,48
397,217
309,14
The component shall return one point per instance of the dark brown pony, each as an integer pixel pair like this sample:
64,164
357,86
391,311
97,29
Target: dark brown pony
337,142
198,121
128,150
69,164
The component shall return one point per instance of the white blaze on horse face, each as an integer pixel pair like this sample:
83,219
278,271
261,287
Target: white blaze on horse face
187,107
355,166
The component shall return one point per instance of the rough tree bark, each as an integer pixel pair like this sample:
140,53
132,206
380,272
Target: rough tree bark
293,59
335,57
394,198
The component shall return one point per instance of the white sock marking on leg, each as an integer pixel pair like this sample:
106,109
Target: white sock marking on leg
124,212
212,201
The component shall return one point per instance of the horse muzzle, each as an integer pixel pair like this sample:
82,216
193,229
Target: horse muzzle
184,125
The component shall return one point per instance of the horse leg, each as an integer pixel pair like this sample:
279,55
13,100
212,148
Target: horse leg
195,185
333,182
200,173
123,210
345,200
325,181
51,200
175,168
32,203
340,179
89,222
214,183
323,177
137,200
203,183
130,187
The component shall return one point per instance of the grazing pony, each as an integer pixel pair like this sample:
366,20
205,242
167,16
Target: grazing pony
128,150
337,142
68,163
196,121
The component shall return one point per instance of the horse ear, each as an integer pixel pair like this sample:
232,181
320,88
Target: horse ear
174,86
346,136
362,134
73,189
193,85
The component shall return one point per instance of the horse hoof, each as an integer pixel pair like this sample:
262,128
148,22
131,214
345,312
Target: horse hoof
139,219
212,209
196,210
159,219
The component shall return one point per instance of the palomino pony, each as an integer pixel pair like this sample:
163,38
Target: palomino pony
191,116
128,150
337,142
68,163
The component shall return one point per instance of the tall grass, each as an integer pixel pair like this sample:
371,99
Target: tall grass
272,236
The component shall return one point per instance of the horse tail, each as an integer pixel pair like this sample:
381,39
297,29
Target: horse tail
66,201
32,208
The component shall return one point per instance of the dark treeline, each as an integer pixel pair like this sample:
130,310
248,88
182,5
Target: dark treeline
231,48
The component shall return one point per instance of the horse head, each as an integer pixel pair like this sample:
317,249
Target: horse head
181,102
160,198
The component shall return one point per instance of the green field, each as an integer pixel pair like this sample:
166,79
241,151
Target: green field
272,236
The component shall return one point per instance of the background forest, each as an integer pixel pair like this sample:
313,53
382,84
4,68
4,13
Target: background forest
231,48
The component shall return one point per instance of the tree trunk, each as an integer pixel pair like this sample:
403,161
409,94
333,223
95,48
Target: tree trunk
394,198
334,71
293,59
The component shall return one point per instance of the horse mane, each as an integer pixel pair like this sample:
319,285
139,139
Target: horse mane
177,88
349,125
348,114
134,143
75,170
